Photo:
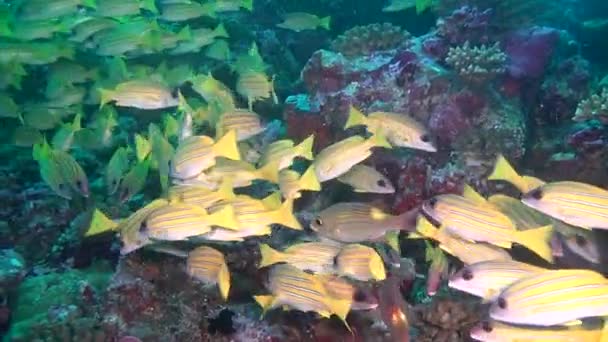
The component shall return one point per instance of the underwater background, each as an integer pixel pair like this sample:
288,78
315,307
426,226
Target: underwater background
271,170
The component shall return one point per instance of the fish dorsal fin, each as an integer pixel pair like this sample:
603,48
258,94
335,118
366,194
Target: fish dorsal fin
469,193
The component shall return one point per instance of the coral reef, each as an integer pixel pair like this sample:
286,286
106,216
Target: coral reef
445,319
593,108
362,40
477,64
466,24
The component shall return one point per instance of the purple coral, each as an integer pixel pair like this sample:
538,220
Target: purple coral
466,24
529,51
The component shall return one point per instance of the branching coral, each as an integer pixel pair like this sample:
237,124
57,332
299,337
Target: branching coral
445,320
594,107
477,64
361,40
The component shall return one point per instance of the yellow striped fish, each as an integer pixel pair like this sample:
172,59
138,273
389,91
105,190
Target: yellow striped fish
255,85
200,196
468,252
478,221
285,151
487,279
72,172
214,91
503,171
493,331
338,158
246,123
209,266
176,222
575,203
316,257
364,178
360,263
292,184
553,298
342,289
400,130
241,173
142,94
358,222
197,153
301,291
129,228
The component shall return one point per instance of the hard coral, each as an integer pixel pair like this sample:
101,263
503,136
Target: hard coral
362,40
445,320
466,24
477,64
593,108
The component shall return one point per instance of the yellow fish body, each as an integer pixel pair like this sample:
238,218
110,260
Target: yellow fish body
494,331
292,183
503,171
299,21
140,94
209,265
316,257
200,196
241,173
360,263
367,179
255,85
130,228
285,151
246,123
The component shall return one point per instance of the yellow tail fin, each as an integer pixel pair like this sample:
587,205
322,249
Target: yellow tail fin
224,218
304,149
505,172
272,201
470,193
220,31
247,4
223,281
149,5
325,22
100,223
340,308
105,96
270,256
376,267
285,217
379,140
355,118
226,189
269,172
227,147
309,181
426,228
537,240
266,302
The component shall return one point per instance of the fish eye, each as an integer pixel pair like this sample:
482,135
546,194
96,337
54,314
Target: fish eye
537,194
61,186
486,326
359,296
381,183
433,202
467,274
318,221
143,227
425,138
79,183
580,241
502,303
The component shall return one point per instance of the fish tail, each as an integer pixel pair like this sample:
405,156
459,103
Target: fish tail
223,281
379,140
224,218
265,302
537,240
285,217
149,5
340,308
106,96
272,201
325,22
220,31
505,172
309,181
184,34
226,189
355,118
470,193
227,146
377,267
247,4
269,172
304,149
425,229
270,256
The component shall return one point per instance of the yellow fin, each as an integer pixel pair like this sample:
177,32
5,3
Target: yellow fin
379,140
505,172
355,118
304,149
270,256
470,193
100,223
537,240
392,239
105,96
284,216
223,281
227,146
426,229
224,218
340,308
266,302
269,172
272,201
309,181
226,189
325,22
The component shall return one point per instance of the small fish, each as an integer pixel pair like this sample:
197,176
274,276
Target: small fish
198,153
86,27
64,136
494,331
488,279
209,266
438,268
71,171
44,10
201,196
358,222
116,169
478,221
341,289
8,107
285,151
121,8
128,38
400,130
338,158
130,227
252,213
292,183
100,223
185,10
503,171
179,221
133,181
300,21
214,91
241,173
26,136
40,29
246,123
201,37
249,61
366,179
139,94
399,5
584,245
301,291
161,153
255,85
317,257
575,203
360,263
553,298
232,5
219,50
35,53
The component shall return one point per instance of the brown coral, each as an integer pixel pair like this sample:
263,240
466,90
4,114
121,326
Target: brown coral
594,107
477,64
362,40
445,319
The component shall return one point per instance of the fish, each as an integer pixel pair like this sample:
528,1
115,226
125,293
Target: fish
129,229
219,50
399,5
301,291
127,38
142,94
116,169
246,123
196,154
39,29
478,221
133,181
358,222
253,213
285,151
64,136
341,289
255,85
86,27
201,196
201,37
583,245
557,297
487,279
161,154
214,91
100,223
579,204
249,61
467,252
121,8
72,172
317,257
241,173
438,268
364,178
26,136
185,10
393,308
179,221
8,107
221,6
292,183
300,21
360,262
494,331
338,158
35,53
400,130
503,171
209,266
44,10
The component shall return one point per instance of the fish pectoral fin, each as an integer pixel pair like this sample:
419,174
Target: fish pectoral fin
470,193
574,323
